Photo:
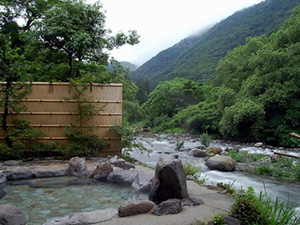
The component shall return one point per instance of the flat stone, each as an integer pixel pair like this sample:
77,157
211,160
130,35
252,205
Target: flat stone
171,206
125,177
19,174
49,173
12,163
48,184
121,163
85,218
135,208
191,201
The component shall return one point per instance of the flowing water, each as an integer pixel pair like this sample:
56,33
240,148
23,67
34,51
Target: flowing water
58,198
288,192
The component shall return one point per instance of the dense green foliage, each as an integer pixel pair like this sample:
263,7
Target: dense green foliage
264,74
261,210
59,40
196,57
168,99
255,96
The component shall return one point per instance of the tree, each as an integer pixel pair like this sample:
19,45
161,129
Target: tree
55,40
266,82
78,30
170,97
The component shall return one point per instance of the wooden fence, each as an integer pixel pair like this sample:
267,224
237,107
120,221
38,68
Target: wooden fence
51,108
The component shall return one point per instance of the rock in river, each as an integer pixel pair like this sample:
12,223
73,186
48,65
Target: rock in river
222,163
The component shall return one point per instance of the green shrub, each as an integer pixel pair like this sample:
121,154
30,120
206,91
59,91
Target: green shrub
189,169
239,157
128,135
219,219
205,139
284,162
81,144
247,208
200,178
261,210
264,169
179,144
297,170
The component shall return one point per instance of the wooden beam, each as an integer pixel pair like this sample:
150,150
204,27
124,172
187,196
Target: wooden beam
285,154
294,135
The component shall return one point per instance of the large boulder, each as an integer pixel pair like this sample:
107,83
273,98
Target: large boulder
171,206
125,177
77,167
85,218
135,208
142,182
169,181
222,163
102,171
10,215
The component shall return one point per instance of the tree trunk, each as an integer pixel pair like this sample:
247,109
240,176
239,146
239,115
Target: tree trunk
8,141
70,65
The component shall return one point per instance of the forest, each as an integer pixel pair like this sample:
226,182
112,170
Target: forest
254,97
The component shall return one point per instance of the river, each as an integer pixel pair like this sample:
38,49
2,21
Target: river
165,144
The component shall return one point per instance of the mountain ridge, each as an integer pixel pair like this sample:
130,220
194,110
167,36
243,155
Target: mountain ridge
196,57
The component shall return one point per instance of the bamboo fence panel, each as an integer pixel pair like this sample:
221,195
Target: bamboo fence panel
50,108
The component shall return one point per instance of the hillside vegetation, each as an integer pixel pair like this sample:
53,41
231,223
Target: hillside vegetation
255,96
196,57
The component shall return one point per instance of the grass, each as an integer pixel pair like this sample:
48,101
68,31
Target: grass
243,156
260,210
284,168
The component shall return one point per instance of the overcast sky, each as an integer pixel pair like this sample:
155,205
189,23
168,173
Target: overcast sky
163,23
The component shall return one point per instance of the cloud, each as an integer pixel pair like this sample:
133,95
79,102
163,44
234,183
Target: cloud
161,24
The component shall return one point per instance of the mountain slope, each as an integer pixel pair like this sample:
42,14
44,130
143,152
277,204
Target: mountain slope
129,65
196,58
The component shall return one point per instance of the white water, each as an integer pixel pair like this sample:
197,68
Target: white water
288,192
